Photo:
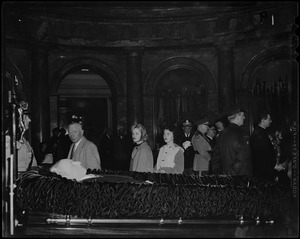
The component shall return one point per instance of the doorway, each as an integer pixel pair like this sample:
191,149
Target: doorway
93,111
85,94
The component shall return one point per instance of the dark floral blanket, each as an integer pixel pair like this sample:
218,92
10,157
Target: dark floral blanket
122,194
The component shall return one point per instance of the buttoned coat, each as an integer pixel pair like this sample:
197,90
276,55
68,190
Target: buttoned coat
87,153
141,158
170,159
189,152
203,149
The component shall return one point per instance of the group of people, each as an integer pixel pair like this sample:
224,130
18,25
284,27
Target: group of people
217,147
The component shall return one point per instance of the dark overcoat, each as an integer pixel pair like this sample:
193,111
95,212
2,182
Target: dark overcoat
263,154
232,154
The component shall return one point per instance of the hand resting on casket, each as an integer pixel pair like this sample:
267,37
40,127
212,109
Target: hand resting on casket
71,170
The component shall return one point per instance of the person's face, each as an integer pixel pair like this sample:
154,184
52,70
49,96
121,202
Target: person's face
212,131
168,136
70,169
240,118
26,120
203,128
267,122
220,126
187,129
136,135
75,132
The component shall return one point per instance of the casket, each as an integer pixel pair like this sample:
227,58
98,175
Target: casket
148,198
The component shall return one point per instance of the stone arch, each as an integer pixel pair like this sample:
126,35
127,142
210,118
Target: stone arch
94,65
260,60
248,80
175,63
165,67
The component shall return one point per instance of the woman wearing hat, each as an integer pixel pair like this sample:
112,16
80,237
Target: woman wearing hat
202,148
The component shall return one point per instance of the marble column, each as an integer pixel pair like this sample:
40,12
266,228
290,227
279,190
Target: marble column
226,81
135,110
40,101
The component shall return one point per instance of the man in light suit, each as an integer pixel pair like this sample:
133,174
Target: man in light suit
81,149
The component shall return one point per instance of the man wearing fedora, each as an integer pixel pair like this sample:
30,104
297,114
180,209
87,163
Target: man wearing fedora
232,154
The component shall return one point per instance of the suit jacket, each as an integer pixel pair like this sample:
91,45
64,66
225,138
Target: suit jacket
63,147
232,154
87,153
203,149
263,154
189,152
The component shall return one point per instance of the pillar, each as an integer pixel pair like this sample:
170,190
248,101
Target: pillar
226,82
40,102
135,110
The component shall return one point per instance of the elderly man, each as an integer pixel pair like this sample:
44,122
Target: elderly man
232,154
82,149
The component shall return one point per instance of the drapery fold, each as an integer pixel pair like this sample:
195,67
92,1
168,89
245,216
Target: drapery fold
122,194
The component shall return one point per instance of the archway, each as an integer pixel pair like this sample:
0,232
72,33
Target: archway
96,84
269,81
181,88
85,94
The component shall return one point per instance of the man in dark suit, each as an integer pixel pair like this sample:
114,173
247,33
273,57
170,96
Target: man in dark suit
63,145
221,123
185,142
211,135
263,152
232,154
106,149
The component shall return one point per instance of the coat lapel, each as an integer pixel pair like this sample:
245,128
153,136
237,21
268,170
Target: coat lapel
79,148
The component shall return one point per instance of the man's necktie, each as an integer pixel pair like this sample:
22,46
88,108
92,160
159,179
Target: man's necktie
72,150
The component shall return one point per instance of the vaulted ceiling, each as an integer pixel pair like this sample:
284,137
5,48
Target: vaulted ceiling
132,23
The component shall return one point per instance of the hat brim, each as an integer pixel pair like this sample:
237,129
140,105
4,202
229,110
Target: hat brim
203,121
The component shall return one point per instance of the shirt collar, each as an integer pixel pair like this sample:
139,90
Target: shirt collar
76,144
